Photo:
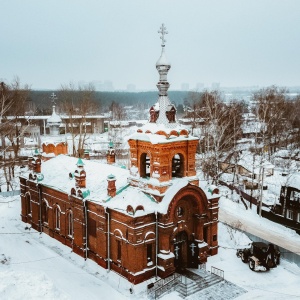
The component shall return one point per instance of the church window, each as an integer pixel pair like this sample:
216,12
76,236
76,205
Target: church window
119,250
70,223
57,217
149,254
179,211
177,166
289,214
44,212
181,237
28,204
92,227
295,196
205,234
298,219
145,165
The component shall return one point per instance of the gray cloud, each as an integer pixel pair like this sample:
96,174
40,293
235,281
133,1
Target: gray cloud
49,43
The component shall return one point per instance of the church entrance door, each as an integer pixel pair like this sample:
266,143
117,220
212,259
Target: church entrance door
180,250
192,255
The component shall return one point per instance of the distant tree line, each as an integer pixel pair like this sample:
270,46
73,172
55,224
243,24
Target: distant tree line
41,101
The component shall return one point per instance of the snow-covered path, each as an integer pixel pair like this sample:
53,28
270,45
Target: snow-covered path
235,214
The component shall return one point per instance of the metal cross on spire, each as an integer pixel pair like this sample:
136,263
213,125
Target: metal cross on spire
163,31
53,98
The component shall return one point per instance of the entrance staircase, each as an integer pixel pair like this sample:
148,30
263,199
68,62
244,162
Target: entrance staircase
192,283
196,284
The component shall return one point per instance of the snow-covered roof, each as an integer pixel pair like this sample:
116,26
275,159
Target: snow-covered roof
159,133
135,197
246,161
159,138
63,116
283,153
247,116
252,127
162,61
54,117
56,175
294,181
168,107
54,140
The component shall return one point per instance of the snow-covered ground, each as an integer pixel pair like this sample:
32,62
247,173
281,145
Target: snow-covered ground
35,266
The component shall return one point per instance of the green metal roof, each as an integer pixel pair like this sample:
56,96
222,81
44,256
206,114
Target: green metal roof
80,162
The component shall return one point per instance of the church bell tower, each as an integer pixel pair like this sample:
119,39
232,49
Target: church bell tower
162,150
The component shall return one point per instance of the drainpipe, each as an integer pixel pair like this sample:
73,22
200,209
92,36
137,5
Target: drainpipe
40,207
86,230
108,240
72,210
156,243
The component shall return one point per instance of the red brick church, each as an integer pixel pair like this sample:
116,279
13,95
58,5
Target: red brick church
147,221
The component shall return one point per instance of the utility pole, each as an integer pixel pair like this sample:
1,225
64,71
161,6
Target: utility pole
261,190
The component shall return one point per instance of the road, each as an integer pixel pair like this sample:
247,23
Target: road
269,233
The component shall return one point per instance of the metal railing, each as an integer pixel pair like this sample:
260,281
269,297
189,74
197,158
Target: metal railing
156,289
184,286
217,272
202,266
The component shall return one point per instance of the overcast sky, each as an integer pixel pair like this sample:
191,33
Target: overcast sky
237,43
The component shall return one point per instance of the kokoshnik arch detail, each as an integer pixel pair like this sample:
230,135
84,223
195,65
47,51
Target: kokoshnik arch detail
147,221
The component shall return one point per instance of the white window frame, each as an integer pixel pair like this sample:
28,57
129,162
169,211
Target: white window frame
289,214
45,214
57,217
28,201
70,224
294,196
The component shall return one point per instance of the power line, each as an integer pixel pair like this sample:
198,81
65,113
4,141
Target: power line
30,261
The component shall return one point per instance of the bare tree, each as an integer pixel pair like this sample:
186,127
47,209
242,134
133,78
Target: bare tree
221,129
273,112
194,109
294,118
276,116
118,112
77,104
12,106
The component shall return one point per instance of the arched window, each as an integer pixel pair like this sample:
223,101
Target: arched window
57,212
70,224
28,204
150,254
177,166
179,211
44,211
144,165
119,250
